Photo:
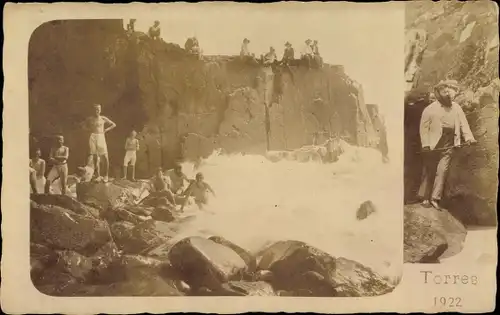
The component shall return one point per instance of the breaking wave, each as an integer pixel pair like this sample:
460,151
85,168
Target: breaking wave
258,201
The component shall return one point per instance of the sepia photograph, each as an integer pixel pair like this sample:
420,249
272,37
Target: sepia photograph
233,151
451,133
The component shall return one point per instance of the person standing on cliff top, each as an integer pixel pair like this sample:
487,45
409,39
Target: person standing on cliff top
131,148
244,52
317,57
155,31
442,126
97,141
59,158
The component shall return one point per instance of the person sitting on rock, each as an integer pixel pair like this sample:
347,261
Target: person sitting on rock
177,178
59,158
199,190
131,148
155,31
307,53
161,185
270,58
38,164
289,54
318,61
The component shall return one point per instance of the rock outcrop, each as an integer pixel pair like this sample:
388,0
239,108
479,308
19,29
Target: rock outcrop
430,234
115,253
461,43
183,106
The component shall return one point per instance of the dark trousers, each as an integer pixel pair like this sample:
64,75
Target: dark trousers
436,166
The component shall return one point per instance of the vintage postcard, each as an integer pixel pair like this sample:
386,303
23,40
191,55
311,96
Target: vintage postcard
226,157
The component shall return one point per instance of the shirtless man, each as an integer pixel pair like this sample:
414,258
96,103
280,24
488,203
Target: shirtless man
198,189
38,164
177,179
97,141
59,159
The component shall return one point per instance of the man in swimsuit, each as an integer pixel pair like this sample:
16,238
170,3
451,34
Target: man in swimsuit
177,178
59,158
131,148
198,189
38,164
97,141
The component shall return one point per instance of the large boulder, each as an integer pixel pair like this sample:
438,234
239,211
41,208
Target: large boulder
60,228
141,238
430,234
205,263
299,269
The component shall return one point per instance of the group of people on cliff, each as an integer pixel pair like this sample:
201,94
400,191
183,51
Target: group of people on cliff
171,184
443,126
309,54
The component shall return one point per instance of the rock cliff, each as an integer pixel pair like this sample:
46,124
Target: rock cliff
456,40
183,106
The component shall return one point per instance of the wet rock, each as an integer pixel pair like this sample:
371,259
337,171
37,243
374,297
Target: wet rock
245,288
60,228
165,214
291,263
74,264
141,238
204,263
121,214
104,195
354,279
131,275
40,258
66,202
430,234
299,269
245,255
365,209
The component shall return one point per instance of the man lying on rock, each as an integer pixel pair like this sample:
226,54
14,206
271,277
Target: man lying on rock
199,190
442,126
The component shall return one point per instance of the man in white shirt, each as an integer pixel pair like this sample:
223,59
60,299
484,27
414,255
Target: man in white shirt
442,126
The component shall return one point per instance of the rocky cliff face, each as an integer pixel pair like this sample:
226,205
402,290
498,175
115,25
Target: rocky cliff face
183,106
456,40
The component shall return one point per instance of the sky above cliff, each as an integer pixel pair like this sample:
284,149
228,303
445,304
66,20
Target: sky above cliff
368,39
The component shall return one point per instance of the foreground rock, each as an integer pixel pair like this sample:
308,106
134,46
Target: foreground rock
61,228
128,276
202,263
430,234
299,269
140,238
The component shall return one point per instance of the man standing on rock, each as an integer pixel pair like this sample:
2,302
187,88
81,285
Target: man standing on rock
442,126
59,158
97,141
